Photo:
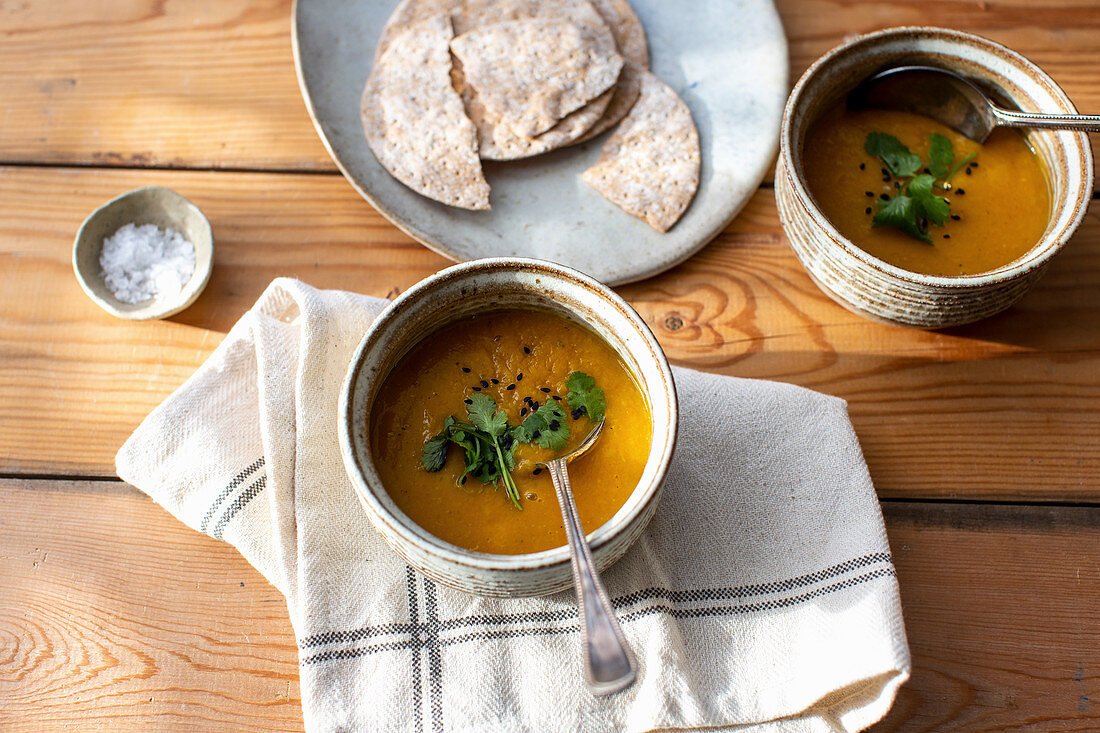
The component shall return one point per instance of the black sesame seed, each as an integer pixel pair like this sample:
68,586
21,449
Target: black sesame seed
522,411
554,425
863,166
582,410
535,435
477,389
886,179
537,471
484,383
884,197
556,397
544,389
960,191
466,369
897,185
974,163
927,172
884,171
519,377
495,381
526,350
947,236
867,210
510,387
869,194
468,401
968,172
534,405
955,217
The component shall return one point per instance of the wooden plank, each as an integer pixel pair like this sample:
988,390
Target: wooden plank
211,83
1000,610
114,612
114,615
207,83
1004,409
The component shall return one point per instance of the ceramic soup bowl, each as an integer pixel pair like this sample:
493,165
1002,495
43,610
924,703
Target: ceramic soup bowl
470,288
866,284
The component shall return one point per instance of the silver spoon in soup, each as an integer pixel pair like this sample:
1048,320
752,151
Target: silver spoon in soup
609,662
954,101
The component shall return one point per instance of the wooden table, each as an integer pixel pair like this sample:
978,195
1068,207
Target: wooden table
983,441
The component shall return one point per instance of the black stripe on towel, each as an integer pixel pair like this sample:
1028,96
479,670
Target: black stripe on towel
237,481
239,503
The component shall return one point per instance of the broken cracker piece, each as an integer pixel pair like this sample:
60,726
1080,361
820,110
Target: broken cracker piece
650,166
415,122
533,72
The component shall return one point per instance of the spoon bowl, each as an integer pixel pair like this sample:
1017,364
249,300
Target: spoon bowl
955,101
609,664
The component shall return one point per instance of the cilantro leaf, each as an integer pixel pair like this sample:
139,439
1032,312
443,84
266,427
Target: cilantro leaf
926,204
896,156
942,156
483,414
583,392
546,427
899,212
434,453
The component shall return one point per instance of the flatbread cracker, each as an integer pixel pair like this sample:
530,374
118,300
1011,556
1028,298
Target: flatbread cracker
627,29
630,39
533,72
496,139
650,166
415,122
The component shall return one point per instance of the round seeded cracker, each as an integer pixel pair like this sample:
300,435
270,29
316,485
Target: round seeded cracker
497,140
533,72
650,166
414,120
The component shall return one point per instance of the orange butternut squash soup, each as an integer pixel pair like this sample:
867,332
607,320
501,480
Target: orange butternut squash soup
922,197
509,388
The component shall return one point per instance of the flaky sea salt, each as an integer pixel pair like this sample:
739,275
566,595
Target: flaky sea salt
144,262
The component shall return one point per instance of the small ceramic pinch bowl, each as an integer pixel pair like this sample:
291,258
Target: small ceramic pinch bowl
148,205
866,284
473,287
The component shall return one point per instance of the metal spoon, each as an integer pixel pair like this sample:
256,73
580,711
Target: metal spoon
609,663
954,101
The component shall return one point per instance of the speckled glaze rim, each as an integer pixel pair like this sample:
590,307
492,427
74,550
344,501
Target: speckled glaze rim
1063,222
498,282
204,258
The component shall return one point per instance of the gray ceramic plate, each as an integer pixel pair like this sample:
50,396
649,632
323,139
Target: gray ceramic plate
726,58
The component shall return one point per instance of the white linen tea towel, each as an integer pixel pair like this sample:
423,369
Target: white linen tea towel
761,596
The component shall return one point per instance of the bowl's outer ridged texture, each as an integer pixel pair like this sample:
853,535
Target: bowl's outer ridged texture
147,205
873,288
477,286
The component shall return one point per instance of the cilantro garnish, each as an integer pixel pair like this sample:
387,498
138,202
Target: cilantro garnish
919,200
545,426
584,396
489,443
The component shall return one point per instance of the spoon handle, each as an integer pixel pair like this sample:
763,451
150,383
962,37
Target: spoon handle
610,665
1082,123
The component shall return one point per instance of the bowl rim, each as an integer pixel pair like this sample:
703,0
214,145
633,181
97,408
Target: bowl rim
1008,272
452,554
204,260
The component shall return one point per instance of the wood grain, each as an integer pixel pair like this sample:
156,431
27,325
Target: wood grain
114,616
999,605
114,612
211,83
1005,409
